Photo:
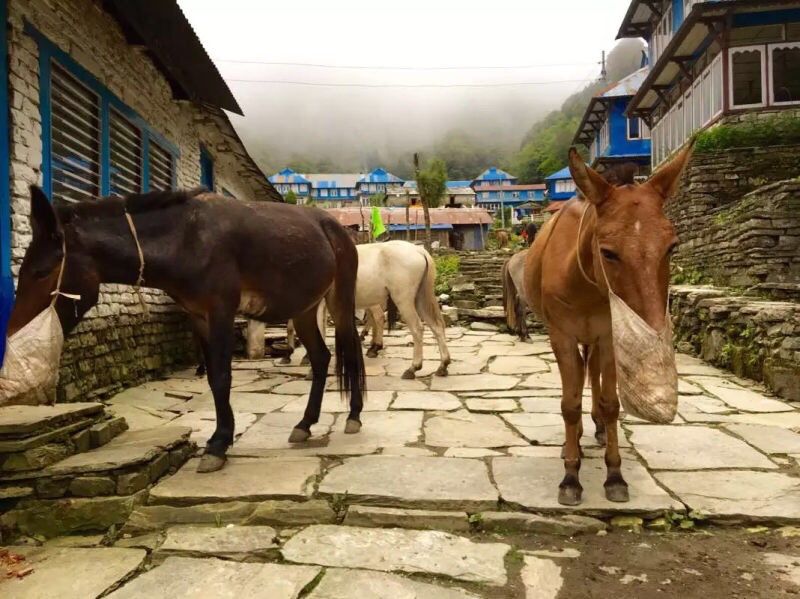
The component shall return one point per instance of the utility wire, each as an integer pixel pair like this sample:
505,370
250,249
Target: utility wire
400,85
387,68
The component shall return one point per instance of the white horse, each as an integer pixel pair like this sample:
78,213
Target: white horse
405,273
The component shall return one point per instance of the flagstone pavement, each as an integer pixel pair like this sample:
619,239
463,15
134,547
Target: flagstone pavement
363,515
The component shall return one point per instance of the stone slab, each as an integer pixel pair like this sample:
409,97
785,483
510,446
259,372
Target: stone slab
341,583
548,429
245,479
291,513
465,429
533,484
191,578
147,518
364,515
473,382
541,577
470,452
70,573
143,397
426,400
58,434
129,448
518,365
22,421
543,380
790,420
272,432
139,418
666,447
242,401
737,494
228,542
419,482
740,398
398,550
567,525
380,429
482,405
769,439
332,402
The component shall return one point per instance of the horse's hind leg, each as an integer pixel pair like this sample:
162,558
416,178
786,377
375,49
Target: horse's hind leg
615,486
522,323
571,367
375,320
594,379
290,341
414,323
219,354
320,356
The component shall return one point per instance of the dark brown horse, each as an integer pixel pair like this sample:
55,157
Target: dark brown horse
215,257
622,230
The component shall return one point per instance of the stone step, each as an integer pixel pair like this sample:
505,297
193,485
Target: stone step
125,465
493,313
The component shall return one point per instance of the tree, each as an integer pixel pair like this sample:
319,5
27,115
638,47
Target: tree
290,197
431,187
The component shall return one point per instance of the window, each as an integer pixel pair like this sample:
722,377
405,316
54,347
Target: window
125,155
206,169
75,138
747,77
92,143
160,168
323,193
565,186
785,69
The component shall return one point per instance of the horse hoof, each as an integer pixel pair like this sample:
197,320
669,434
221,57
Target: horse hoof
441,371
351,427
569,495
372,353
617,492
210,463
299,435
305,361
601,438
285,360
409,374
201,371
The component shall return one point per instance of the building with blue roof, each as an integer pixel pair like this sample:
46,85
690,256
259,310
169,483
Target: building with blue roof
712,61
287,180
335,189
611,136
493,177
560,185
379,181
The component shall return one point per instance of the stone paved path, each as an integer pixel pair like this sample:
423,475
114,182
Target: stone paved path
426,501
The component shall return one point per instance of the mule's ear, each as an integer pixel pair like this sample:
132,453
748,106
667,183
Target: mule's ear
590,183
666,179
43,218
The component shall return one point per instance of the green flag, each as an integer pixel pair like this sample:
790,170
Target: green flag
377,224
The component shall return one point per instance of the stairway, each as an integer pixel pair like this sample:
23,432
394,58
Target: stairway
478,290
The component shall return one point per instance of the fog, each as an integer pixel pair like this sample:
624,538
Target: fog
421,69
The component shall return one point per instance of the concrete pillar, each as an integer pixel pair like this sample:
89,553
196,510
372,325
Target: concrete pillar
255,339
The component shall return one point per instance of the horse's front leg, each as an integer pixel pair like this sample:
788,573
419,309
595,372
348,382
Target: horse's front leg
219,354
615,486
597,411
571,367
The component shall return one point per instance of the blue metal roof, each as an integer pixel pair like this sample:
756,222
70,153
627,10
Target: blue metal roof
562,174
413,227
451,184
495,174
380,175
287,175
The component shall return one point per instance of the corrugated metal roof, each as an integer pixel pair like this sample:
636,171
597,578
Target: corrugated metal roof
494,174
562,174
626,86
596,111
287,175
380,175
450,184
397,216
333,180
531,187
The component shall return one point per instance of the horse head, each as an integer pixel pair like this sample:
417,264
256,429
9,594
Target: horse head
632,237
55,251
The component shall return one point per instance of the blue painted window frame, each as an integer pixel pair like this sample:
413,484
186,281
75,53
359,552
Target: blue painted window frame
48,52
206,168
6,280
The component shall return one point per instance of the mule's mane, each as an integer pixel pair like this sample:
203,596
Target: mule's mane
133,203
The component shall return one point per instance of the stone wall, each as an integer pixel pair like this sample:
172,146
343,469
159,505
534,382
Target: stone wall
116,344
753,337
737,214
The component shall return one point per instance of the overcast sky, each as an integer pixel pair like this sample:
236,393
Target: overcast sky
557,41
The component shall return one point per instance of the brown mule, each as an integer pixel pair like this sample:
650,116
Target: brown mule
215,257
622,230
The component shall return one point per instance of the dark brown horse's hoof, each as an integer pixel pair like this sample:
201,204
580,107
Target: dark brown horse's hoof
441,371
299,435
372,352
600,437
409,374
351,427
617,492
210,463
569,495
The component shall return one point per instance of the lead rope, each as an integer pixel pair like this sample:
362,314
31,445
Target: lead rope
57,292
578,248
138,286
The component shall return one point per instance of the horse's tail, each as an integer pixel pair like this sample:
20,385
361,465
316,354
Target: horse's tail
391,312
426,303
510,299
350,372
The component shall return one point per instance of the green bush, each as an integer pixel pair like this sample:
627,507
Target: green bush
779,129
446,270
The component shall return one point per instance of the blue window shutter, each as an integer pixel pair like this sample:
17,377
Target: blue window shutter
206,169
161,168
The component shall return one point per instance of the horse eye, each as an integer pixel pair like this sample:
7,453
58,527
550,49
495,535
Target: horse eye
609,255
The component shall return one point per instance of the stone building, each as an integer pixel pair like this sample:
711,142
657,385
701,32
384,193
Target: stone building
108,98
